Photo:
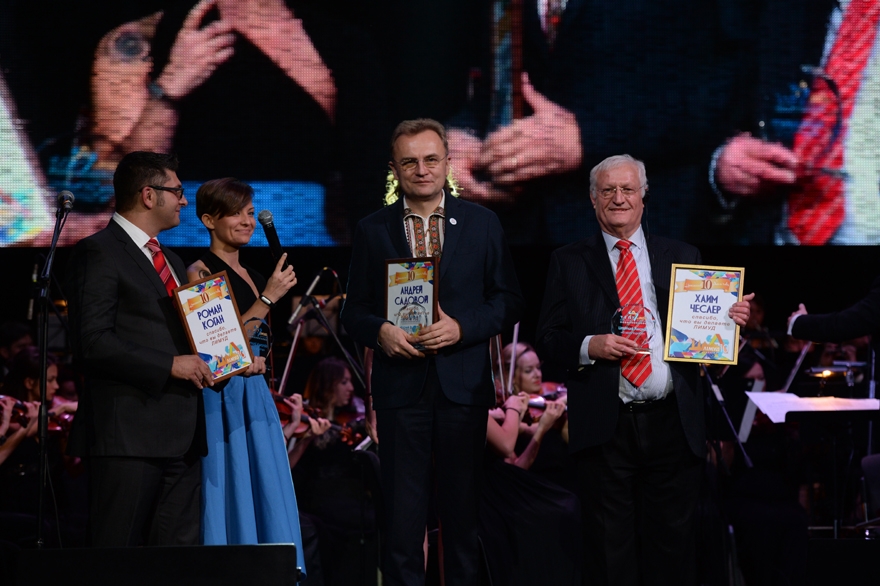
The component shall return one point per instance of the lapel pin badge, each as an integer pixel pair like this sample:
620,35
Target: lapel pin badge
453,221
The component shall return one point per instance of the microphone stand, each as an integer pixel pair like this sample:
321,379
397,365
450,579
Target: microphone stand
283,385
322,319
872,393
43,283
720,398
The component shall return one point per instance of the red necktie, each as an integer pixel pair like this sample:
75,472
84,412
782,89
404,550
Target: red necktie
816,207
161,265
635,369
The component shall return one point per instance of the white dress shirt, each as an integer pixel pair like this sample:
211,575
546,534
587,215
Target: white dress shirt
659,383
140,238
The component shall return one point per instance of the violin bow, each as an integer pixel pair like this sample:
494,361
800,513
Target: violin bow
496,363
513,359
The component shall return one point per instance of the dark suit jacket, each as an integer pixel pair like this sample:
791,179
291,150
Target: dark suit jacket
477,286
126,332
651,78
782,36
861,319
580,298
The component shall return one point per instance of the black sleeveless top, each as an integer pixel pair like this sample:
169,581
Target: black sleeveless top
244,295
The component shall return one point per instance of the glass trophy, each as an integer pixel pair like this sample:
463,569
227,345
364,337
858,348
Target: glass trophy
785,114
637,323
412,317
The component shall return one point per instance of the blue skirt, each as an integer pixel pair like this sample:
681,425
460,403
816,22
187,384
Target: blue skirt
247,490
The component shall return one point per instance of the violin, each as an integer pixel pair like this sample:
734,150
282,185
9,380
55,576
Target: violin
347,433
58,422
19,412
550,391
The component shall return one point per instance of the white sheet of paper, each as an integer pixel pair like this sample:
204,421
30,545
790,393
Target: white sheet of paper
745,427
776,405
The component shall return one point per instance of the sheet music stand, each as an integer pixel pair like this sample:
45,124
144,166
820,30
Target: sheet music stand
834,422
829,413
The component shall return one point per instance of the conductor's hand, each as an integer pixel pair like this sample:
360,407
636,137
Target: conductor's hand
611,347
192,368
394,342
444,332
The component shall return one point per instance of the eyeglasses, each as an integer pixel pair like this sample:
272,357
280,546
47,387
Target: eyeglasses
627,192
430,162
178,191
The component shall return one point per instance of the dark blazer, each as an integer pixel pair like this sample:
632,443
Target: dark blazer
126,332
861,319
580,298
782,36
651,78
477,286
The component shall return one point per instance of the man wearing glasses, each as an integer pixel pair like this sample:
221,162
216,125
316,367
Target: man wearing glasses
431,392
636,422
141,420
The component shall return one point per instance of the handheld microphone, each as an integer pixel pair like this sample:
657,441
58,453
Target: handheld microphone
307,295
265,218
65,200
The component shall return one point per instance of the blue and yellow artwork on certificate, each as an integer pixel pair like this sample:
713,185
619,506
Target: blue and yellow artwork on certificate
214,325
698,327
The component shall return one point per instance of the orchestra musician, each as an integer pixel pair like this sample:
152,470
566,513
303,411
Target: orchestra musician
20,457
518,508
552,461
329,480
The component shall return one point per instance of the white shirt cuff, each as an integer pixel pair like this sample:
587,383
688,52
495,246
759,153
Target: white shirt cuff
585,354
791,324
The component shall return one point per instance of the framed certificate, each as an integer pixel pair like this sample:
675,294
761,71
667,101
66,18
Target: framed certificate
698,328
213,324
411,292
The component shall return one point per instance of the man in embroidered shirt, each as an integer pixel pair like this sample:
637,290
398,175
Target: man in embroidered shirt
431,404
636,422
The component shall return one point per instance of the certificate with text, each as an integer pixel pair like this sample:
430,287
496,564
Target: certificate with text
213,324
698,328
411,292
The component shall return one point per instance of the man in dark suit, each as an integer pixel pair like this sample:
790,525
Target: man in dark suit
431,404
141,420
636,423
